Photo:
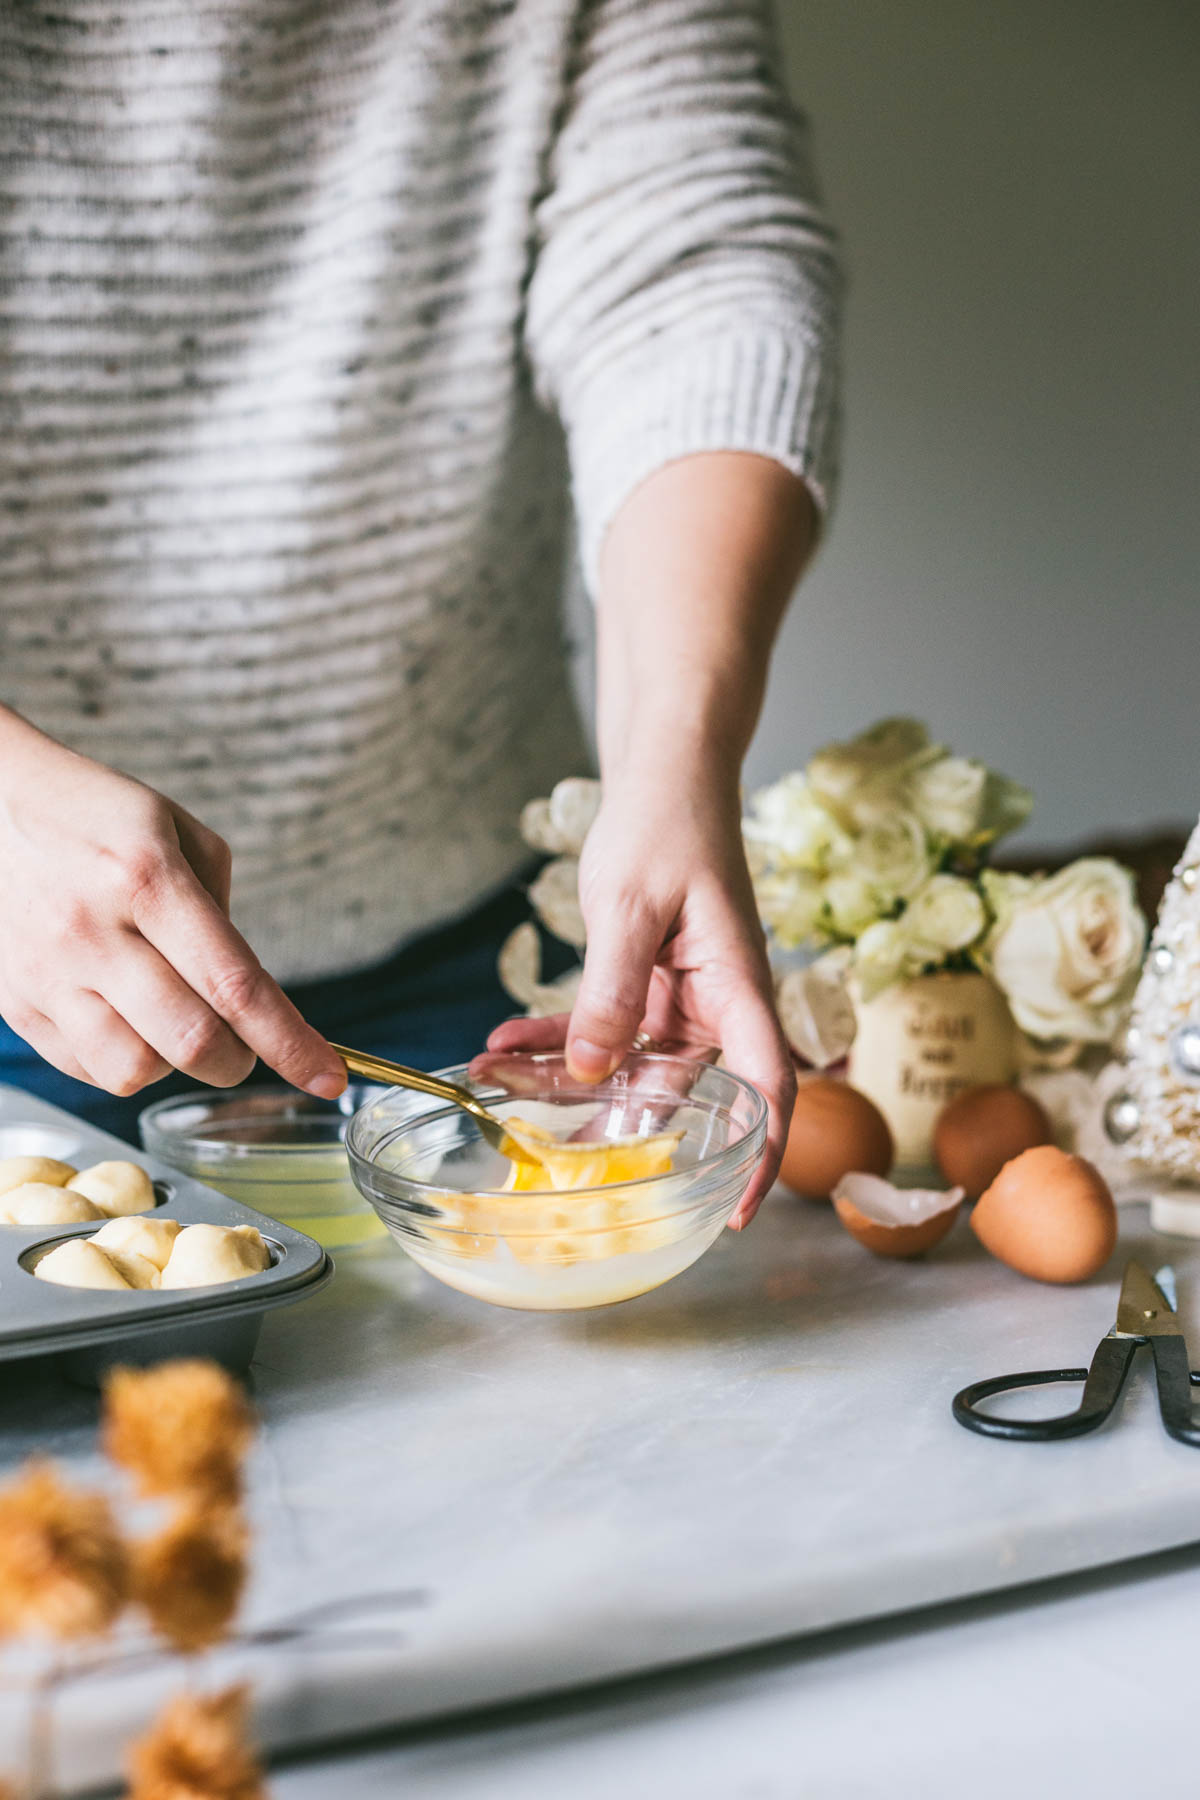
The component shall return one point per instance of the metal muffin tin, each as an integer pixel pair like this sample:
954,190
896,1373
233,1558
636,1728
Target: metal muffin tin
88,1330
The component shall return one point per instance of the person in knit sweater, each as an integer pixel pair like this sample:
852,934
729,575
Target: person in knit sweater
332,333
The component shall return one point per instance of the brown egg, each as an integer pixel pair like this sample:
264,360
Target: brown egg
984,1128
894,1221
1048,1215
834,1130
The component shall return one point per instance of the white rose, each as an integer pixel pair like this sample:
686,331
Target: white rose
560,824
792,825
536,828
965,802
887,749
791,906
944,916
554,896
520,971
1003,890
891,853
852,903
882,955
574,804
1006,806
1066,950
947,797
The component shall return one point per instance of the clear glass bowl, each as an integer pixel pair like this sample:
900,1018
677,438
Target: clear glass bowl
272,1148
438,1187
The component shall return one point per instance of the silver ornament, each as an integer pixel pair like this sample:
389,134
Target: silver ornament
1131,1043
1121,1118
1162,960
1184,1051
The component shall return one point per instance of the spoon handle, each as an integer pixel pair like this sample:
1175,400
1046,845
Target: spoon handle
377,1068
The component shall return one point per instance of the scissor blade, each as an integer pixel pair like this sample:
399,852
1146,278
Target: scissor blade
1143,1309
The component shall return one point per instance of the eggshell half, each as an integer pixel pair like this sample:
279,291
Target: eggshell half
1048,1215
835,1131
984,1128
894,1221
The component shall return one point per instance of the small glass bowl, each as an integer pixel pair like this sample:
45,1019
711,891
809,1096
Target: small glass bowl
272,1148
438,1187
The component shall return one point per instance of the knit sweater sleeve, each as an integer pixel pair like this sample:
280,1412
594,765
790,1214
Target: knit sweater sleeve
685,291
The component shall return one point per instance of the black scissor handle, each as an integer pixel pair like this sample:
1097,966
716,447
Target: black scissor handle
1175,1383
1102,1385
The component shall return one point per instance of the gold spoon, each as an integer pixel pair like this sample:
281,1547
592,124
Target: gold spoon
494,1130
517,1148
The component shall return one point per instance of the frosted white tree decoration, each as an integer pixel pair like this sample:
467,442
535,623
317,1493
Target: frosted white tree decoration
1156,1114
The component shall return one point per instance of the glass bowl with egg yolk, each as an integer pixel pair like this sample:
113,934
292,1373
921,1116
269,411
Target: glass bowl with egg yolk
639,1175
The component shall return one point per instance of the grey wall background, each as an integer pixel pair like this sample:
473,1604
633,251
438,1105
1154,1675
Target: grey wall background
1016,554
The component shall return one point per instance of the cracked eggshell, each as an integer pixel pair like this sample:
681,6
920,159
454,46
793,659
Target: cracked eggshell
894,1221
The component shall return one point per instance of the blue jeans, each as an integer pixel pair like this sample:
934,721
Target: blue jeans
431,1005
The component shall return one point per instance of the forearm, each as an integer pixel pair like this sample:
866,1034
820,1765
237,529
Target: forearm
16,733
695,574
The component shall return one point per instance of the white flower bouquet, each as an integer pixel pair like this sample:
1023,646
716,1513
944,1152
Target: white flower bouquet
876,854
878,849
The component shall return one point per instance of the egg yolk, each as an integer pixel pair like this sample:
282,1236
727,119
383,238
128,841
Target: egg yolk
592,1229
584,1164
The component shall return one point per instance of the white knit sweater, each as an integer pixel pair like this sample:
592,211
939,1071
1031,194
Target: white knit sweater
306,306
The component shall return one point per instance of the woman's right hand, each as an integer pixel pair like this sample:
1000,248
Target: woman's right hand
118,962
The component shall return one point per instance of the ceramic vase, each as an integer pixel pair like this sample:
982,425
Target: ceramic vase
921,1042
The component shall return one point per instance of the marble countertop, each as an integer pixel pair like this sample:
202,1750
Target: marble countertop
1079,1687
475,1507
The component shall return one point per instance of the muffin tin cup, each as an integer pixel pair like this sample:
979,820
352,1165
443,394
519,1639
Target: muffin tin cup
88,1330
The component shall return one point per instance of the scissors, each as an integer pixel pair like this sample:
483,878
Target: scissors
1145,1315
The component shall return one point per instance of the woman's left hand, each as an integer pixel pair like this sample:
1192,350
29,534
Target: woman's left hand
696,570
674,950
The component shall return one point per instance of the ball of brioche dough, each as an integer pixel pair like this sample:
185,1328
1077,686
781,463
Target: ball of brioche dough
117,1188
38,1203
15,1171
139,1271
206,1254
153,1239
78,1263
